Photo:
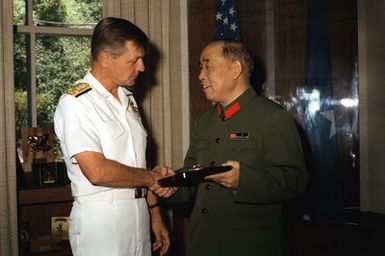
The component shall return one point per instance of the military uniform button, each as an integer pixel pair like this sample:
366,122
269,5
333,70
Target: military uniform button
218,140
205,211
208,186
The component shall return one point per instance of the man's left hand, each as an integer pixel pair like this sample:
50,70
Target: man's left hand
228,179
162,237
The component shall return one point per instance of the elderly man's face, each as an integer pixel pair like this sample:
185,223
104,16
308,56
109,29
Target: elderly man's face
216,75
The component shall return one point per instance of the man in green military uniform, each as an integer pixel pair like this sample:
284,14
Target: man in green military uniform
239,212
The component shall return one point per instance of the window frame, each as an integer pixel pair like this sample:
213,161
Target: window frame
32,31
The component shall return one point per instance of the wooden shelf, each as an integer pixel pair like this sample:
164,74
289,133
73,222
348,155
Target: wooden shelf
44,195
36,208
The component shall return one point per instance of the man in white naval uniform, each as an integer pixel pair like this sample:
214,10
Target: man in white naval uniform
104,142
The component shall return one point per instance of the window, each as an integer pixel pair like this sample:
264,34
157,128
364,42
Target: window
51,52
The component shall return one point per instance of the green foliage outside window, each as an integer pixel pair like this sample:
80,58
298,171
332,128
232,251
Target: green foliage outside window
60,60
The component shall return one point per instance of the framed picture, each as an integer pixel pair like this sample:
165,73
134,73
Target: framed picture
49,174
59,227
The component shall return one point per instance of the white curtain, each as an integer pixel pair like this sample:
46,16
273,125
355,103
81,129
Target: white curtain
164,87
8,202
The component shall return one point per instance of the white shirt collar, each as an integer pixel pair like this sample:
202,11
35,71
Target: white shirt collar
123,93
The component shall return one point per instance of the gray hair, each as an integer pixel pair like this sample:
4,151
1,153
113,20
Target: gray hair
235,50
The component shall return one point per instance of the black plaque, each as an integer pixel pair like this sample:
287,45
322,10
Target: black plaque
191,176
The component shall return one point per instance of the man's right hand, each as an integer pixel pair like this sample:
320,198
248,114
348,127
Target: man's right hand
159,173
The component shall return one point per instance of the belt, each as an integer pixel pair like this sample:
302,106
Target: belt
114,194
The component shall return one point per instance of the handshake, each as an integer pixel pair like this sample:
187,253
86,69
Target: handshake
167,181
158,173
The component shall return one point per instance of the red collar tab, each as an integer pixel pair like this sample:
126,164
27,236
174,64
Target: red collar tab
228,112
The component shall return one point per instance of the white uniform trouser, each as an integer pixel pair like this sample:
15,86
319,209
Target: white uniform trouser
110,228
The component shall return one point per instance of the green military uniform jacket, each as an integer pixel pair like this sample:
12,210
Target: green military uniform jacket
248,221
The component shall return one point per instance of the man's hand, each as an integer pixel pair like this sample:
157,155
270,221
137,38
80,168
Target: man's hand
228,179
158,173
166,191
162,238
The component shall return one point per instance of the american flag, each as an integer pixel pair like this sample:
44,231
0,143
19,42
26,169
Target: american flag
227,20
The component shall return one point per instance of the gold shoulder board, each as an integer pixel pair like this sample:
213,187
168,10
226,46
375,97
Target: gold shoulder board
78,89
